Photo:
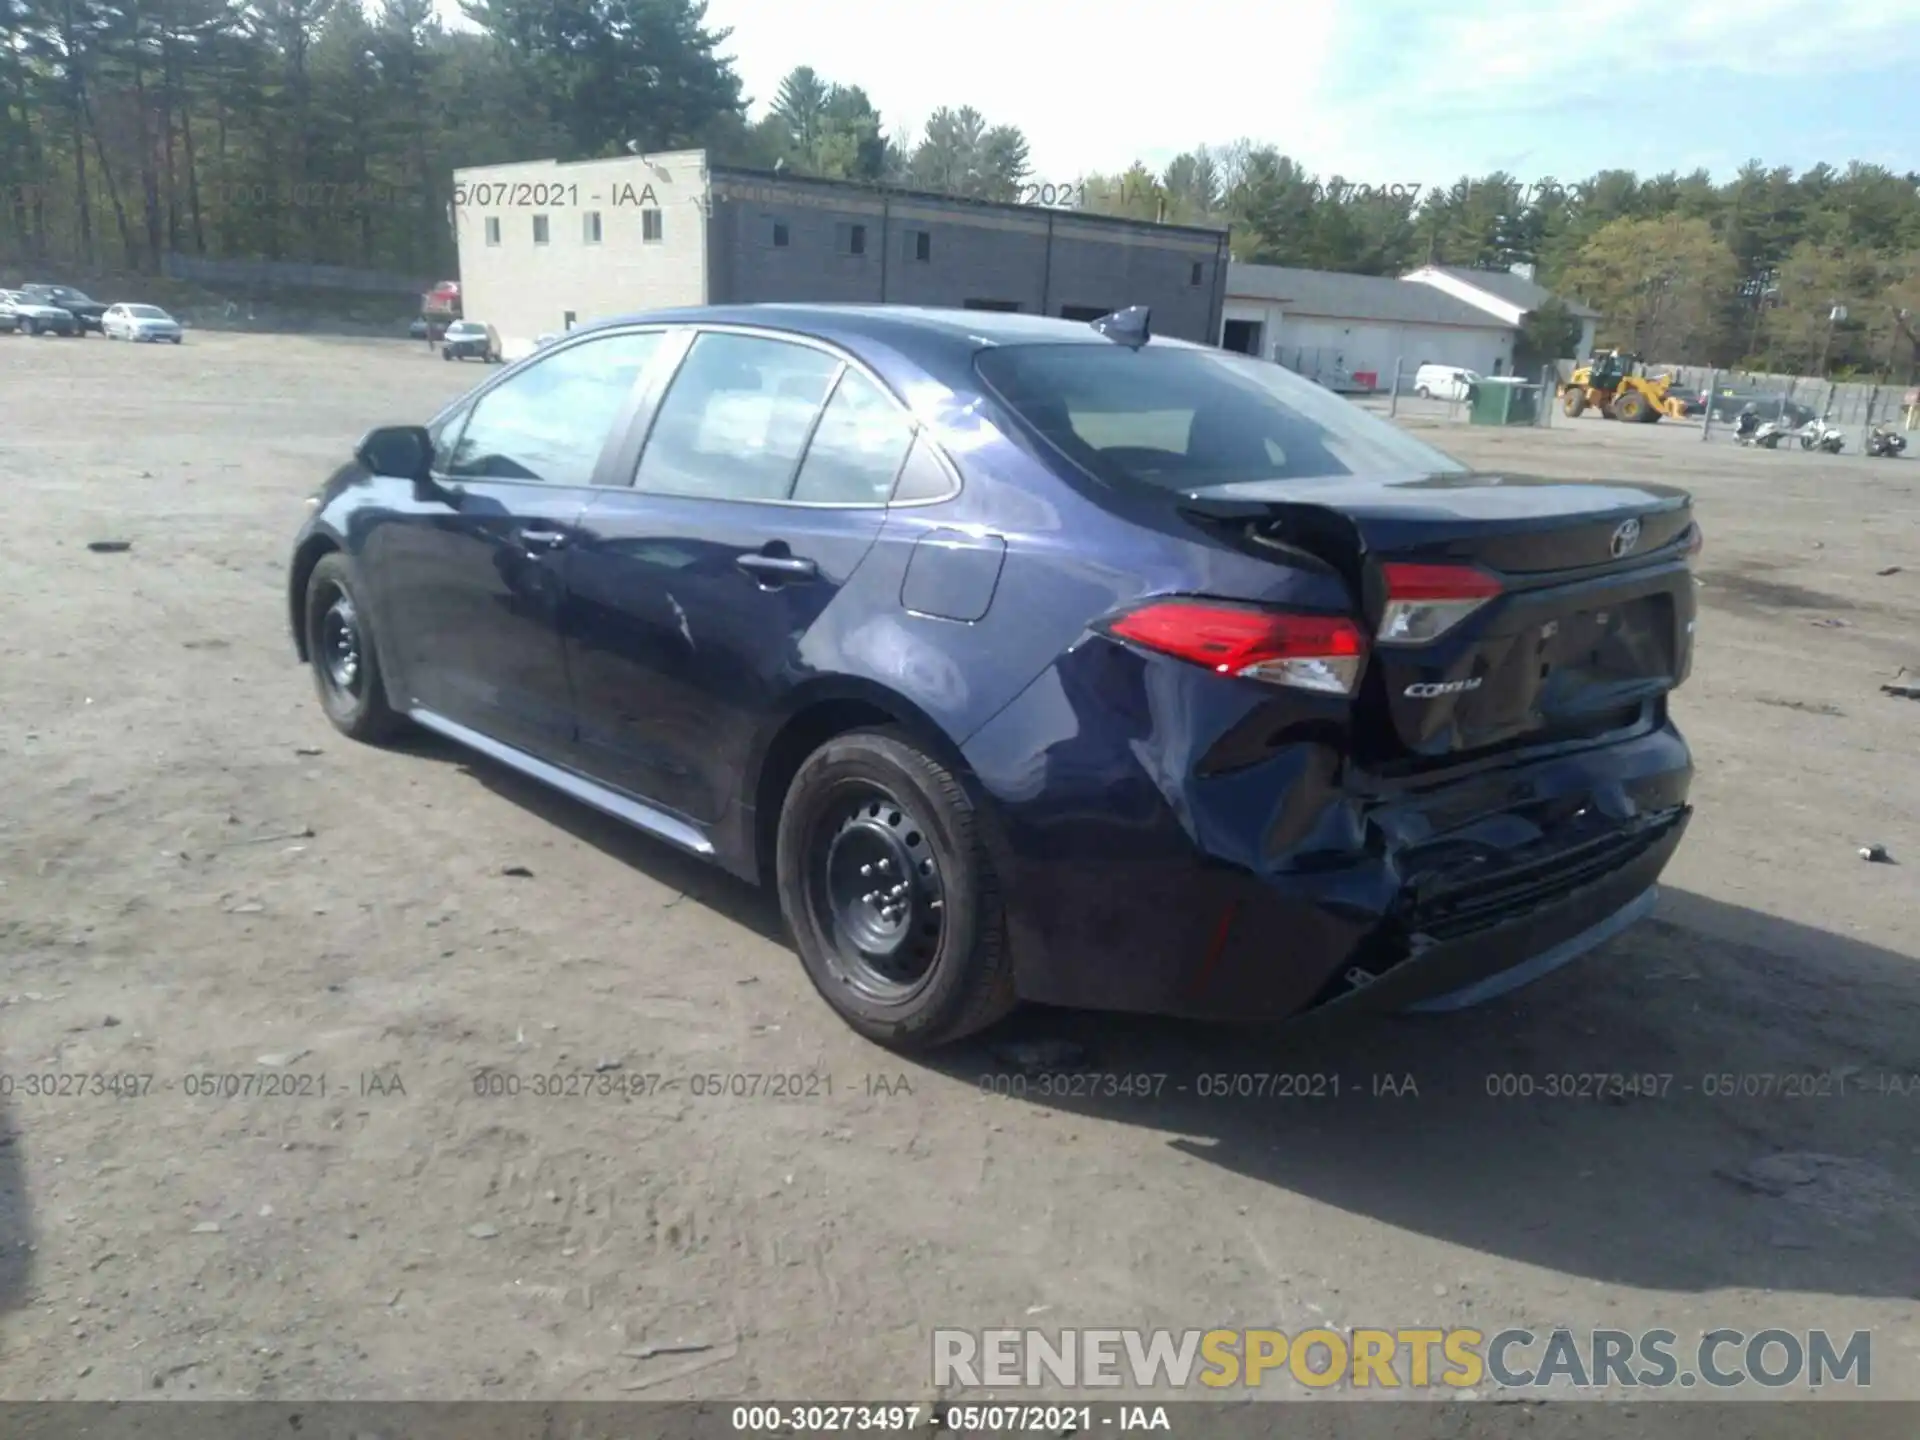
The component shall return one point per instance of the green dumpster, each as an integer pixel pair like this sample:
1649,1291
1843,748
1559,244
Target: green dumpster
1503,400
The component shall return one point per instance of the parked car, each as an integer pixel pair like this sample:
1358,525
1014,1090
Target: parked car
1444,382
471,340
418,329
140,322
1031,659
34,317
87,311
1729,401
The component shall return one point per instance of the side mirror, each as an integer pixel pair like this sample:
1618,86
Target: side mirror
402,452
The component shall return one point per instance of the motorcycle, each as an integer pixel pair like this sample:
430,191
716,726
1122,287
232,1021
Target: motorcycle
1885,442
1768,436
1818,435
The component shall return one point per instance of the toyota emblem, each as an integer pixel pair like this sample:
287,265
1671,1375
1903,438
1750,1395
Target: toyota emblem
1625,536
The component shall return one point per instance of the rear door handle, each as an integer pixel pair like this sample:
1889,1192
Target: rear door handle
543,539
777,567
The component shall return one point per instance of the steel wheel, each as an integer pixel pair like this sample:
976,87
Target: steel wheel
875,888
340,646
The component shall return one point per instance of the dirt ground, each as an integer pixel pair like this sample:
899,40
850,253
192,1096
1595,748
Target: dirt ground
199,877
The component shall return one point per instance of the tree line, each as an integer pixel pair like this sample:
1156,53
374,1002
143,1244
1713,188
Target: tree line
325,131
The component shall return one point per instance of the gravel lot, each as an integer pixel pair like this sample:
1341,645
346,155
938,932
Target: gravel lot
197,875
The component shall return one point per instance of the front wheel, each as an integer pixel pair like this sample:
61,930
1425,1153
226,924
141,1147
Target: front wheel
29,327
340,648
890,893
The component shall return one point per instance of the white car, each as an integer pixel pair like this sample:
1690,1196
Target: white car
139,322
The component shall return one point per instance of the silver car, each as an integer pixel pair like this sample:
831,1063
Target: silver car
32,317
139,322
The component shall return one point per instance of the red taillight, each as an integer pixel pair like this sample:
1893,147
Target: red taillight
1323,653
1426,601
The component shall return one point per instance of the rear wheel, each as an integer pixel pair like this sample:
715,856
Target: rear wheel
890,893
29,327
340,648
1423,392
1575,403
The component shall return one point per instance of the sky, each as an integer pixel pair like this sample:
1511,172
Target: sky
1377,91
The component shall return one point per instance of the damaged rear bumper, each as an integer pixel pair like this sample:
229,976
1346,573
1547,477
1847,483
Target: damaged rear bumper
1300,885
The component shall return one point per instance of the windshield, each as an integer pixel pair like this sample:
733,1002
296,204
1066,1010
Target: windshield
1181,418
146,312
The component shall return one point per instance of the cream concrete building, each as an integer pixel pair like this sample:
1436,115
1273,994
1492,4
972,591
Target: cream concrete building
544,246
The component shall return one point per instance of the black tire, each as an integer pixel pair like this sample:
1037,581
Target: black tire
935,966
176,339
446,355
29,327
352,689
1423,392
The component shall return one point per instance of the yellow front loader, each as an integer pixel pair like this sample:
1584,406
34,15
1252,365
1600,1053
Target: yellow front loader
1619,388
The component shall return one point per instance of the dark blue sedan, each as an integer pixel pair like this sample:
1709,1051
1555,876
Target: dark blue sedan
1030,659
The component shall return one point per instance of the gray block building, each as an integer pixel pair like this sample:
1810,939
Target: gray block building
545,246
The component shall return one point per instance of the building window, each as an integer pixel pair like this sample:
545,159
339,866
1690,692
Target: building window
1199,269
851,239
590,227
539,229
1242,336
651,228
919,244
779,234
569,320
493,229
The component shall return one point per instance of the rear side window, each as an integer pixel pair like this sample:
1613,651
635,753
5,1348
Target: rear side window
1181,417
857,448
736,419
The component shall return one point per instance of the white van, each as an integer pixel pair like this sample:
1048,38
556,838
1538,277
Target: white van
1443,382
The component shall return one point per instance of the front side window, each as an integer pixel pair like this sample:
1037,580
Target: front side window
736,419
550,421
1180,418
857,448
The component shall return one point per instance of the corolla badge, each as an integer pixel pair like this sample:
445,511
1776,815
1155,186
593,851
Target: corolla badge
1626,535
1430,689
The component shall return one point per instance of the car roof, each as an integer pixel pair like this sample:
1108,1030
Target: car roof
896,325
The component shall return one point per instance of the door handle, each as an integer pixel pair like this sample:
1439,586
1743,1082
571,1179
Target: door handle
777,567
543,539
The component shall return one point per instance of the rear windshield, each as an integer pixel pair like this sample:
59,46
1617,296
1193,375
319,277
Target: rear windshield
1183,418
146,312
